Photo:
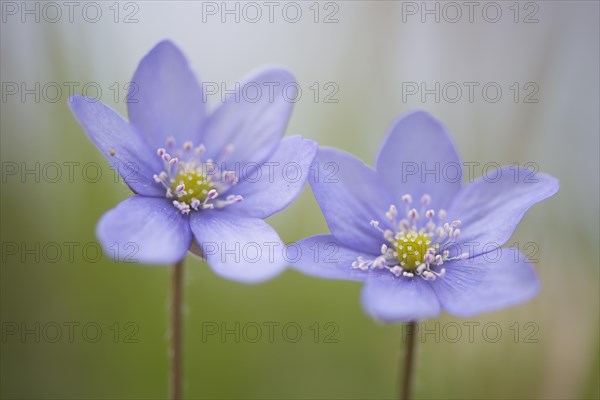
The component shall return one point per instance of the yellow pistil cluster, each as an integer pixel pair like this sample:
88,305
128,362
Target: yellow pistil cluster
414,246
411,247
187,182
195,185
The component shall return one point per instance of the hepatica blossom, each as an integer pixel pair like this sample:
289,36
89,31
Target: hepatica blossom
207,179
419,240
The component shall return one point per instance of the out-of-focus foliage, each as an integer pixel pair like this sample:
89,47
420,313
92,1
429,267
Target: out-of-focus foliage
548,348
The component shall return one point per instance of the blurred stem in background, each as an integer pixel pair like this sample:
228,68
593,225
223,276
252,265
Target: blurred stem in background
176,331
408,361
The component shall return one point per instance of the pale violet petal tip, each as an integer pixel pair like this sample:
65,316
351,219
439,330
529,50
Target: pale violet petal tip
418,157
165,99
350,195
487,283
252,120
122,145
144,230
278,181
323,256
390,299
237,247
491,209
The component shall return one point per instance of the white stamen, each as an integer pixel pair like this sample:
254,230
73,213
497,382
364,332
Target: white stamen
182,179
429,258
212,194
379,262
414,246
388,235
392,213
183,207
200,149
228,150
428,276
229,177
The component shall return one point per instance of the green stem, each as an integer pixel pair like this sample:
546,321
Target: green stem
177,331
408,362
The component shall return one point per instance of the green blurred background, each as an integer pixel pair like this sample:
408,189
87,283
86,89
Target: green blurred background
368,53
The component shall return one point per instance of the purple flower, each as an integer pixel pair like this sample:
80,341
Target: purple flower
418,239
199,179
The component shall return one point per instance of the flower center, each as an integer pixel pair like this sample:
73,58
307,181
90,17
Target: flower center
415,246
194,184
411,248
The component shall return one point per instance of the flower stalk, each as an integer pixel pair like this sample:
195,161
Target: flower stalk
176,352
408,361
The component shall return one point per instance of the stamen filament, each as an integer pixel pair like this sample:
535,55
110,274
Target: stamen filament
412,250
